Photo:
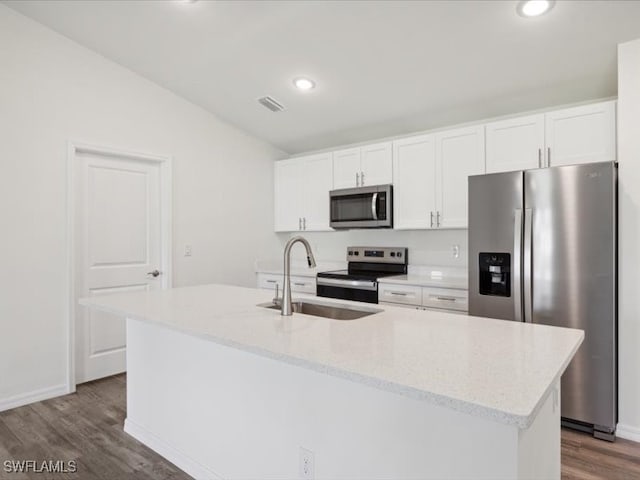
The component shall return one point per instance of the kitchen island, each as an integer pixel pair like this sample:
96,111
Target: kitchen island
224,388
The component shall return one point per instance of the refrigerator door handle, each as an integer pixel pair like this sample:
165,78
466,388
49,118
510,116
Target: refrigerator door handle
527,258
517,263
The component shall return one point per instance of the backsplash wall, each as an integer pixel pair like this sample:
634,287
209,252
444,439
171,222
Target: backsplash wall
426,247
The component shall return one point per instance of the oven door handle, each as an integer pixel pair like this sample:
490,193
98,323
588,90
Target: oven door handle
355,284
374,206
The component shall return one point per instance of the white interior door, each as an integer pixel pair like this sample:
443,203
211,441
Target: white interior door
118,241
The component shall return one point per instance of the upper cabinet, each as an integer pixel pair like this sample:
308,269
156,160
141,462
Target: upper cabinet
582,134
414,177
459,154
430,175
430,172
515,144
301,196
363,166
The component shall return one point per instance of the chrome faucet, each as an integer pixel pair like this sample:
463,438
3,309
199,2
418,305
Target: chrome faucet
287,308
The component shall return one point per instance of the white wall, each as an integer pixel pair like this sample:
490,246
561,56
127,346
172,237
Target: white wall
53,90
434,248
629,241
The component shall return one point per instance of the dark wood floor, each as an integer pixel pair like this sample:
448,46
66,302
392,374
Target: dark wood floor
87,427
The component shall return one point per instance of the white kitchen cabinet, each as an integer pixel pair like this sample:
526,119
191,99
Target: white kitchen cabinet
431,178
459,154
569,136
287,214
346,168
299,284
582,134
423,298
363,166
414,175
404,294
301,197
377,164
515,144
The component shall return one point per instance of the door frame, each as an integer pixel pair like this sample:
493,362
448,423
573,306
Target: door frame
165,167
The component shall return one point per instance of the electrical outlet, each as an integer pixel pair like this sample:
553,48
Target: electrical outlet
306,464
187,250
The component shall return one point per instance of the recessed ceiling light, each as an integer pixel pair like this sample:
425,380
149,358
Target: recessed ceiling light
304,84
534,8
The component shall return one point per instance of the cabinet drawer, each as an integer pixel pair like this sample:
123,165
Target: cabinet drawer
303,285
445,298
404,294
269,281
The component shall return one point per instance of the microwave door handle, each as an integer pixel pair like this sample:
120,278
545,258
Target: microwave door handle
374,206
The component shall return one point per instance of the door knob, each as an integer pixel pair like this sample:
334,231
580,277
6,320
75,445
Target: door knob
155,273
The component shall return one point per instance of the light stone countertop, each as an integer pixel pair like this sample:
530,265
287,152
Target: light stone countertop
495,369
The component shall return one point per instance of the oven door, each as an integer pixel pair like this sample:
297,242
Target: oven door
365,207
357,290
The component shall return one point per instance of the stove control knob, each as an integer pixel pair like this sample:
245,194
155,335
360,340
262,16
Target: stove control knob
399,254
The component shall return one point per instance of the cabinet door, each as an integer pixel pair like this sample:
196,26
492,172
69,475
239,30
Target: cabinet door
376,164
459,153
346,168
581,134
318,181
287,206
414,173
515,144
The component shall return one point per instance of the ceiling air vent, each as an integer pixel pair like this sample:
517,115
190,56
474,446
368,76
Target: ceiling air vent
271,104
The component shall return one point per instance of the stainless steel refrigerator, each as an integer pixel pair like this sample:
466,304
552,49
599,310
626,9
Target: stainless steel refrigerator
542,249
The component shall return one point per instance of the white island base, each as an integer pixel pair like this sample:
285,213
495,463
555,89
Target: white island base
219,412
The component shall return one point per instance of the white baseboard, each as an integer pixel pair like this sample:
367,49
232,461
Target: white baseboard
181,460
32,397
628,432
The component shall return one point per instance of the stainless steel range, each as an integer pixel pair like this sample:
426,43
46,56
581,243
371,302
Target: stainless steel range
359,281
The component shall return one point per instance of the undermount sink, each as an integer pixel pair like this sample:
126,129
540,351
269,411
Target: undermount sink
326,310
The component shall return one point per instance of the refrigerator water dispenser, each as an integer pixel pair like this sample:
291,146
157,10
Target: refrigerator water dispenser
495,274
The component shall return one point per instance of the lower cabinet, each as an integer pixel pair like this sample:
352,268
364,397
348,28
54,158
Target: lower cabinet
426,298
299,284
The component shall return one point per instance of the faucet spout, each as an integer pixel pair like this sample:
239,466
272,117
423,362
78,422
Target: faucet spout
287,307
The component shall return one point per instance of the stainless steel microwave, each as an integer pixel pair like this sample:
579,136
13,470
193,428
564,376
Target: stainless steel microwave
363,207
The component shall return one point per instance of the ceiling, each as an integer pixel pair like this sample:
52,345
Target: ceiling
382,68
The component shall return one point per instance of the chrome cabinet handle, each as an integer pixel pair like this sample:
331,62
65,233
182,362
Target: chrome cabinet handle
517,261
299,223
539,158
446,299
155,273
361,178
299,284
401,294
304,223
438,219
431,216
357,179
548,156
272,281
